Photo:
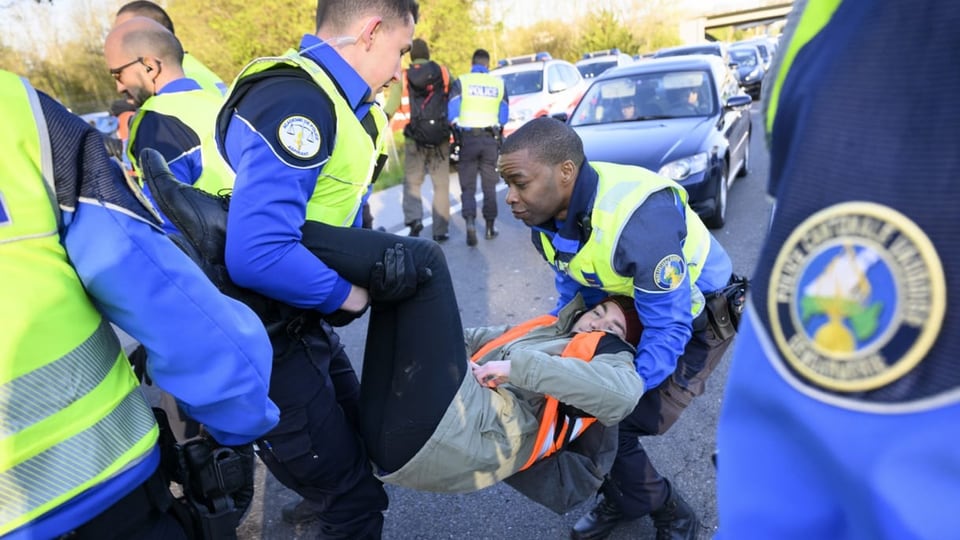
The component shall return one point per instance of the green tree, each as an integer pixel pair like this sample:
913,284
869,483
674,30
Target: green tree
450,28
554,37
656,24
603,29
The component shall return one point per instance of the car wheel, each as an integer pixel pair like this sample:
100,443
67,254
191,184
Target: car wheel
745,167
719,216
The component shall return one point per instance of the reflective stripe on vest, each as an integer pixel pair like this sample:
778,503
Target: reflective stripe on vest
347,174
480,97
72,414
205,77
621,190
198,110
816,14
556,430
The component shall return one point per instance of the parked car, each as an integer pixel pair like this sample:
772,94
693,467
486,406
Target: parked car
715,48
749,68
686,118
537,85
596,62
763,46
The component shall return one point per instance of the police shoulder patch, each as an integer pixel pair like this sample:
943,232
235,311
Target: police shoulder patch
856,299
299,136
669,272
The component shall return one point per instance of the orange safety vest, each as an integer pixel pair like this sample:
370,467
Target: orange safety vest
556,430
401,117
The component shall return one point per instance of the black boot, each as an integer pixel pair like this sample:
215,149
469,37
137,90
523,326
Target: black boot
415,227
471,232
492,231
598,522
675,520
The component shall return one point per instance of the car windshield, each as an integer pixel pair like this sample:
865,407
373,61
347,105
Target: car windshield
647,96
593,69
519,83
744,57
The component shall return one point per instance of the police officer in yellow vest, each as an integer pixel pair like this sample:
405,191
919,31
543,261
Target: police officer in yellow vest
305,139
478,109
609,228
192,67
78,251
175,114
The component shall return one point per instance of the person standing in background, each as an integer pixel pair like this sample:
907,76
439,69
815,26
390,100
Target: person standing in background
478,110
427,147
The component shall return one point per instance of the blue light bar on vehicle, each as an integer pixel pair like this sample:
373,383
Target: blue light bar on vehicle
525,59
595,54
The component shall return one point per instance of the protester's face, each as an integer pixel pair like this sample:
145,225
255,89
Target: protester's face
605,317
536,192
388,44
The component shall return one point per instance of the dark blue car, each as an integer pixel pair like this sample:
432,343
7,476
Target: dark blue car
683,117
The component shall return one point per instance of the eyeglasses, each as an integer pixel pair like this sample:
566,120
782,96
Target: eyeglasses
116,72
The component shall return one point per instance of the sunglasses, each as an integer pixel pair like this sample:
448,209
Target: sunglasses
116,72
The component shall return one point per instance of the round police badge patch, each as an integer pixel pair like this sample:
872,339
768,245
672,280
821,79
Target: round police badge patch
299,136
856,297
669,272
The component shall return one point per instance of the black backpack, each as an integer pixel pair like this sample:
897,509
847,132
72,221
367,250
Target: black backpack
426,87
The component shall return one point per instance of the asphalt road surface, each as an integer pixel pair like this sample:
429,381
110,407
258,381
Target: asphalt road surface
504,280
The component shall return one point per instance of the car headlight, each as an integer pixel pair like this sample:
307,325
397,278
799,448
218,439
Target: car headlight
682,168
755,74
521,115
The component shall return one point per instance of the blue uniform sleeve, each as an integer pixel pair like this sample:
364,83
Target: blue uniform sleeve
504,108
650,250
177,143
270,194
453,105
207,350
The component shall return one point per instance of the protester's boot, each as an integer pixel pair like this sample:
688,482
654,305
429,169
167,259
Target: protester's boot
471,232
492,231
599,522
675,520
415,227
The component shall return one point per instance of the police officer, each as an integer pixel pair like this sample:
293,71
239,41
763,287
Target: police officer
194,69
305,138
843,399
175,113
618,229
78,251
479,109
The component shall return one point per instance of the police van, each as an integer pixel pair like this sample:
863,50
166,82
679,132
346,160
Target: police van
538,85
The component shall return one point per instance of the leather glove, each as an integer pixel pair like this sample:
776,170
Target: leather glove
396,277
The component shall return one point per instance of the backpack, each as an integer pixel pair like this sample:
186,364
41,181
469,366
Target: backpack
427,89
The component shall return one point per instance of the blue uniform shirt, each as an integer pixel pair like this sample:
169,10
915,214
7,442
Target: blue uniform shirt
207,350
841,417
453,106
269,201
656,230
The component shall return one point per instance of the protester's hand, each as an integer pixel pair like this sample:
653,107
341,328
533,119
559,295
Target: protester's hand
352,308
396,277
492,374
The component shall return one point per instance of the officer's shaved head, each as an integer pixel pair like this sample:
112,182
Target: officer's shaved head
144,37
547,140
339,14
144,8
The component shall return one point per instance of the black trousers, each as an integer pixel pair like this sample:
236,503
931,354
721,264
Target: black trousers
414,360
634,484
478,152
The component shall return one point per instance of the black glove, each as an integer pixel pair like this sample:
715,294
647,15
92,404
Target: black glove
396,277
